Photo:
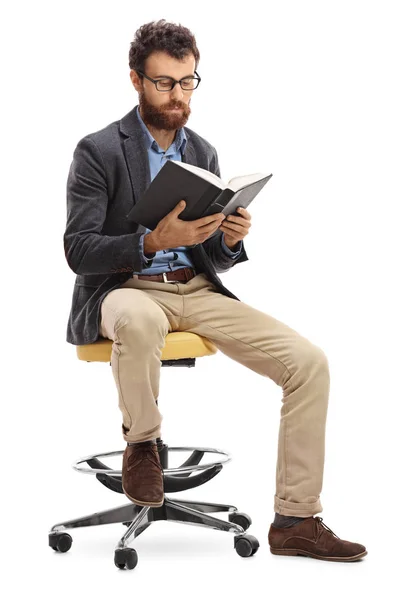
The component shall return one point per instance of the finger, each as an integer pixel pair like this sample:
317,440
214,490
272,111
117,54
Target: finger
244,213
229,226
236,219
204,221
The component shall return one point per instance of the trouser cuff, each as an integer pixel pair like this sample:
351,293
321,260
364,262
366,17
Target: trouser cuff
147,435
297,509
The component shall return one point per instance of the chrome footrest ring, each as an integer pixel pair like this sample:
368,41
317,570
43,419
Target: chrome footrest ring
226,457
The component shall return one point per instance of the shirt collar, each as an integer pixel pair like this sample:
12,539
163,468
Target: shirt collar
179,142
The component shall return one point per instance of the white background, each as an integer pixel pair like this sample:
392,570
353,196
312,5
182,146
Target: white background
307,91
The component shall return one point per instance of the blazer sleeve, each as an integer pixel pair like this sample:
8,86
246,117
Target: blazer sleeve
86,249
222,260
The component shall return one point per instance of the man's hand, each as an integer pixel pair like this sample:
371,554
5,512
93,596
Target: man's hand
172,232
236,228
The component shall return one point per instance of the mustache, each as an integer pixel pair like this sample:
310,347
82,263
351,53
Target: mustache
174,106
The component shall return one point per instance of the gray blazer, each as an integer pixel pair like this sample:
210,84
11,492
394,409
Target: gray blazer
108,174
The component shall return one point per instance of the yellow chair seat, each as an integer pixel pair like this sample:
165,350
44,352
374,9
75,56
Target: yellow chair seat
178,344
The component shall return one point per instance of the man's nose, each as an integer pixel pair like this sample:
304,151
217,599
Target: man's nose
177,92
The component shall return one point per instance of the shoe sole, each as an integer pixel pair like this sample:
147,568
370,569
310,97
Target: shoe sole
142,502
295,552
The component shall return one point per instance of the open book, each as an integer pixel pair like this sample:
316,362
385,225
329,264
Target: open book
204,192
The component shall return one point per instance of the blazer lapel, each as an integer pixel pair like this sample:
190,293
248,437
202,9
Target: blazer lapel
189,156
135,152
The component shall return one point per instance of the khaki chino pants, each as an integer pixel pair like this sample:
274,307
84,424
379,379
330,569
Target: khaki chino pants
137,317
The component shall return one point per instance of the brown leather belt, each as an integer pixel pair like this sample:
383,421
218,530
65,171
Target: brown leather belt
182,275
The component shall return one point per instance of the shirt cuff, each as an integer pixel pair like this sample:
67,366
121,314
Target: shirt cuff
227,250
146,260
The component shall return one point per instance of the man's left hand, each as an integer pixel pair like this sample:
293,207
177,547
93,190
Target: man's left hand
235,228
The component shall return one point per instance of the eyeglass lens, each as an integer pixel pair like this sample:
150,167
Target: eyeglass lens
187,84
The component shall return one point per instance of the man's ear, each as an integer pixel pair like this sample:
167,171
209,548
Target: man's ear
137,84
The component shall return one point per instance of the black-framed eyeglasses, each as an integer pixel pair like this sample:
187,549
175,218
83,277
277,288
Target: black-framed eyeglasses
166,84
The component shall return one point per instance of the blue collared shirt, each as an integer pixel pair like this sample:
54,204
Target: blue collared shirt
172,258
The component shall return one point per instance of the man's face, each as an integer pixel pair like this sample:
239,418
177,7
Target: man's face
156,108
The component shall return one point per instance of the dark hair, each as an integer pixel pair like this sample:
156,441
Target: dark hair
160,36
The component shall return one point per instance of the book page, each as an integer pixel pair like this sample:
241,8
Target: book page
236,183
203,173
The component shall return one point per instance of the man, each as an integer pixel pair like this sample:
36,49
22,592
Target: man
134,286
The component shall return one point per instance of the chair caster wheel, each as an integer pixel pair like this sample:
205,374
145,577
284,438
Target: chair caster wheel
241,519
60,542
246,545
125,557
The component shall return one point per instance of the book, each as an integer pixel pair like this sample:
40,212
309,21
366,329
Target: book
204,192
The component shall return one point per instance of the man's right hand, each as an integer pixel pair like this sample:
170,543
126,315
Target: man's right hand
172,232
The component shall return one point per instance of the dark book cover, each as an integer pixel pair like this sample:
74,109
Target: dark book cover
174,183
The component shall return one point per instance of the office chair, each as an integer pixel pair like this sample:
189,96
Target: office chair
181,350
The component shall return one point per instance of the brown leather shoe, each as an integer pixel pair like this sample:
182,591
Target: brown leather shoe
142,474
313,538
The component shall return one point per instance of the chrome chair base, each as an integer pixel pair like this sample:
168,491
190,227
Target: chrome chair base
138,518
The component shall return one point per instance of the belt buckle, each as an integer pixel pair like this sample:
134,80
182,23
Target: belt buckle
164,276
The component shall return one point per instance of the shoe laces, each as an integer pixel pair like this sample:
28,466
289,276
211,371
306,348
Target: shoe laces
321,527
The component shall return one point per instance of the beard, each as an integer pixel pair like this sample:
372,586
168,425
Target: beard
160,117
